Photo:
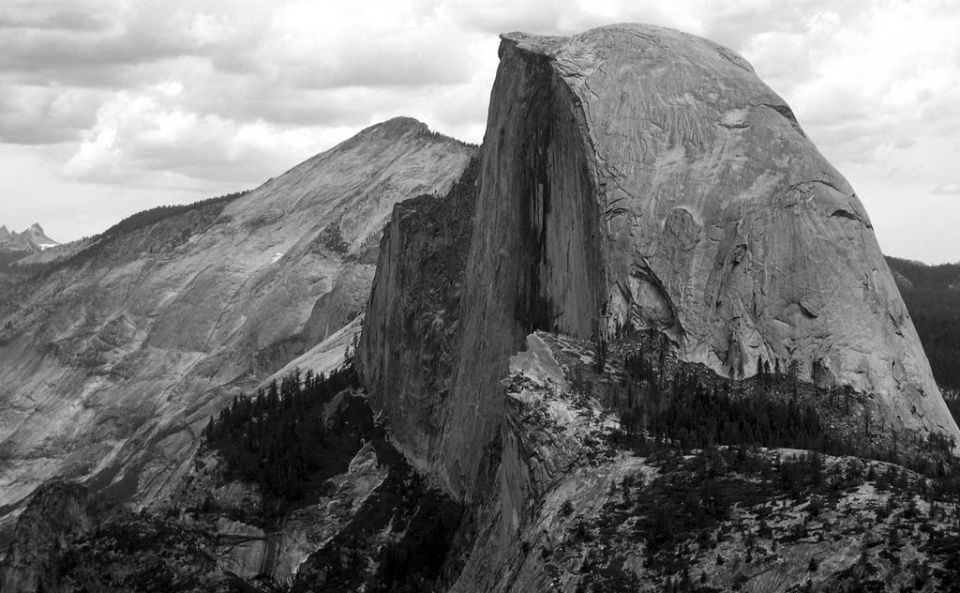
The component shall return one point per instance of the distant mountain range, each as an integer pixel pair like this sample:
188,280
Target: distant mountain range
32,240
27,247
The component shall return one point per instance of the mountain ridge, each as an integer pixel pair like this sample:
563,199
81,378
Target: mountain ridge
117,359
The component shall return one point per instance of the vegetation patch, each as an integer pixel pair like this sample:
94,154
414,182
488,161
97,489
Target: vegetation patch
280,440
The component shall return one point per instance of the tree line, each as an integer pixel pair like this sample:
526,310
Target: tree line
663,402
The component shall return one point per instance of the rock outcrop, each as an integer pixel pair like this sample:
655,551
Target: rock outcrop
637,177
114,362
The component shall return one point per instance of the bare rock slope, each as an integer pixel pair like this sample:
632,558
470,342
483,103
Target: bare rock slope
637,177
113,364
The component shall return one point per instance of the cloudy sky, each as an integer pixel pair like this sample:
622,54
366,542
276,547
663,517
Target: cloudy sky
108,107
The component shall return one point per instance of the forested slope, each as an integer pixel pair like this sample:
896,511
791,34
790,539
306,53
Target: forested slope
932,295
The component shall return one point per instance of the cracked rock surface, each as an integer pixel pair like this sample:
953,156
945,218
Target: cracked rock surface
719,221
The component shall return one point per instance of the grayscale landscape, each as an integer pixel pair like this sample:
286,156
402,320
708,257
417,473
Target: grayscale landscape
636,332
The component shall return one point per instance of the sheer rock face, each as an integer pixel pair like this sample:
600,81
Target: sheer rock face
723,225
636,177
408,347
112,367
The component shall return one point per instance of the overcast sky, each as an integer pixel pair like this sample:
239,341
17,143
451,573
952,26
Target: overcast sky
108,107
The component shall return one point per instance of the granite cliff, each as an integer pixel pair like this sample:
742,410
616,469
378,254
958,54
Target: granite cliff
632,178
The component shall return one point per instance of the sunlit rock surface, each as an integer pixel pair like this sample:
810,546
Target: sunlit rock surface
720,222
325,356
111,368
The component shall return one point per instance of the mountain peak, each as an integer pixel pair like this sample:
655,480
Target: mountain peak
399,126
32,239
403,127
394,132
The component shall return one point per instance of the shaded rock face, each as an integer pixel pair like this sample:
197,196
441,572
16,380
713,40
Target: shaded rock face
58,512
636,177
408,346
113,365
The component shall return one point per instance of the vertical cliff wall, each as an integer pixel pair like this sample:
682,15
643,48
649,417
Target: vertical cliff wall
437,340
407,347
724,226
638,177
535,259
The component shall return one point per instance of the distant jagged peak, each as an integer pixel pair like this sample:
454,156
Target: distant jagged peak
36,235
32,239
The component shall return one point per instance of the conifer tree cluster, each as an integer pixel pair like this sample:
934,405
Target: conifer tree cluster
279,438
666,404
698,415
